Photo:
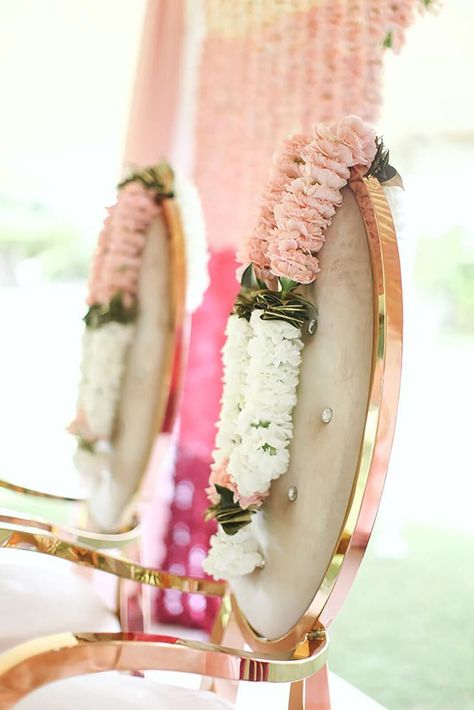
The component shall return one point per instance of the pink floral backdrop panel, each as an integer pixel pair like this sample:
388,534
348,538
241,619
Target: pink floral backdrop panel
273,68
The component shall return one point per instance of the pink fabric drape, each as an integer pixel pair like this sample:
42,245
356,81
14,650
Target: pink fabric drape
156,90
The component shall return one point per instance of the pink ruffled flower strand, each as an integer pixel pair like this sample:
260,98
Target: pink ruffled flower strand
301,197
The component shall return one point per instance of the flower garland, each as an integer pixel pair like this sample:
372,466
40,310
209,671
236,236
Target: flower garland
265,333
112,300
273,67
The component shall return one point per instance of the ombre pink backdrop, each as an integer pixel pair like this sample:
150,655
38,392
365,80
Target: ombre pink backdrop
265,70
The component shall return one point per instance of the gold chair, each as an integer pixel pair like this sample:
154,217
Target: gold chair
107,517
316,524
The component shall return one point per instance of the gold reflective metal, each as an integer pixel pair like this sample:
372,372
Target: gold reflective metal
114,540
20,538
35,493
36,663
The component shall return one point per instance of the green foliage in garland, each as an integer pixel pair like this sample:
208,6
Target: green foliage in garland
230,516
98,315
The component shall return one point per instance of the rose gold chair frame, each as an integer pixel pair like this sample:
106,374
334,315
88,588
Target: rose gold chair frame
300,656
133,605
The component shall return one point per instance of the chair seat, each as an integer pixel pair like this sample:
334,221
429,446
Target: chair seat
112,691
40,595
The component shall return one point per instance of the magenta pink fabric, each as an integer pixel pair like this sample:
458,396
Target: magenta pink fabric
187,536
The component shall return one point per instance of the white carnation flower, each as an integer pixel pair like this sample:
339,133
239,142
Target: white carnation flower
102,370
235,361
232,555
261,368
265,425
92,464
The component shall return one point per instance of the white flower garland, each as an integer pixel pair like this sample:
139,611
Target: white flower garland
261,369
104,357
232,555
265,425
235,358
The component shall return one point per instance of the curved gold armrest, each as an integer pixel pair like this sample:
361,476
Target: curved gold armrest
40,494
21,538
117,539
51,658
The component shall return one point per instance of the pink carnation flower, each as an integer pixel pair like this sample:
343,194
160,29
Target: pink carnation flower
221,477
294,264
116,263
302,194
359,137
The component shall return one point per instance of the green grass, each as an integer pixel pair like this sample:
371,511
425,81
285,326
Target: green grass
406,633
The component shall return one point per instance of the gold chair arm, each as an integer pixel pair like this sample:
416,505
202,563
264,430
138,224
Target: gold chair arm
37,663
24,539
115,540
40,494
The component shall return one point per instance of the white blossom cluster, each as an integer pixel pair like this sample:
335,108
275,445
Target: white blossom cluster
102,368
265,426
232,555
235,359
261,368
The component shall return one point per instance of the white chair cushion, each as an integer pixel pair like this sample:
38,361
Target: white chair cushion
111,691
41,595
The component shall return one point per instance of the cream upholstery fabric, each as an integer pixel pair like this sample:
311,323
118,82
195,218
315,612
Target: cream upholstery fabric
40,595
298,538
111,691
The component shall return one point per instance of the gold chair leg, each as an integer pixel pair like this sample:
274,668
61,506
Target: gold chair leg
312,693
225,632
134,599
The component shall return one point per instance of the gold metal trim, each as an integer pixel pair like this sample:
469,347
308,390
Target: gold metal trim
20,538
379,429
15,488
114,540
51,658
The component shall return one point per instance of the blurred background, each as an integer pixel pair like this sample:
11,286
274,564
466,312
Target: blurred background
405,635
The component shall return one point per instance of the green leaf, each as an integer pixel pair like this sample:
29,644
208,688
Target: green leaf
388,41
247,280
227,497
99,315
269,449
287,284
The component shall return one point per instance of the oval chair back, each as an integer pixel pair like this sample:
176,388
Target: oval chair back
314,527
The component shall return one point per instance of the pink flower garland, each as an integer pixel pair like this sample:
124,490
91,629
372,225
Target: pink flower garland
271,69
301,197
116,262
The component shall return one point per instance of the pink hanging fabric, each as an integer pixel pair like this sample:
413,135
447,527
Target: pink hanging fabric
156,91
187,537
